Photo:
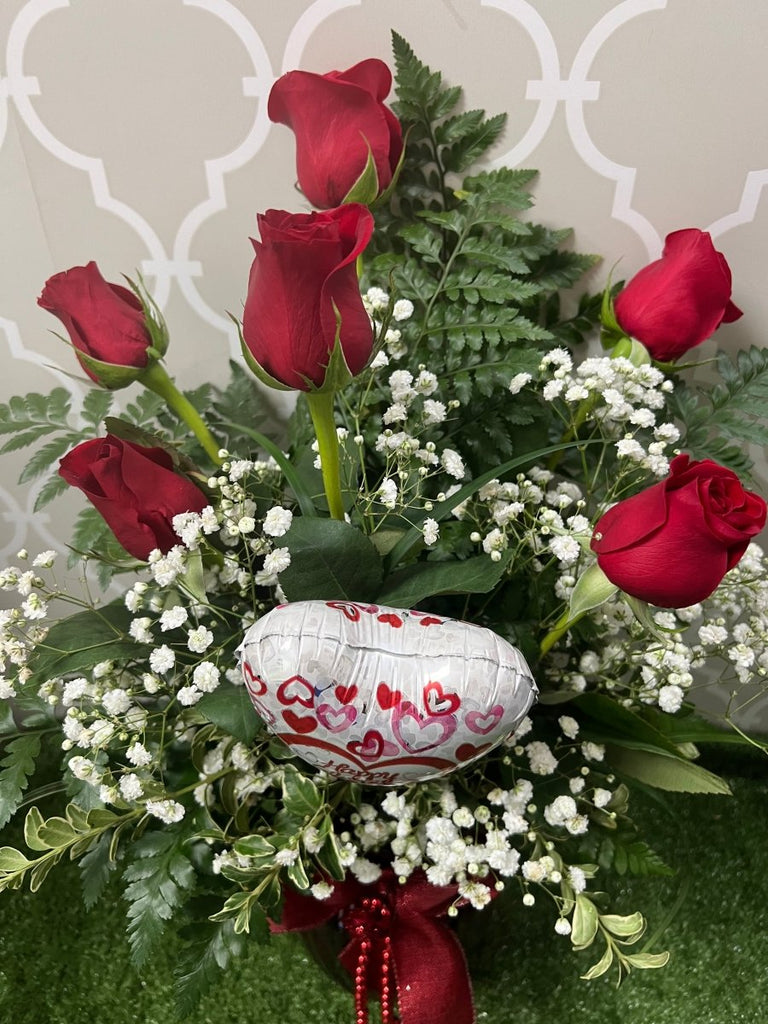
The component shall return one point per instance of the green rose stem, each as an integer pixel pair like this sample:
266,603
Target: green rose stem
156,379
561,627
321,410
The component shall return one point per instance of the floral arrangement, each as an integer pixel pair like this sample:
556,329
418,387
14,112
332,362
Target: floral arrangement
459,446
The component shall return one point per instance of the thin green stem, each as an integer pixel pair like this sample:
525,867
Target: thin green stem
156,379
321,410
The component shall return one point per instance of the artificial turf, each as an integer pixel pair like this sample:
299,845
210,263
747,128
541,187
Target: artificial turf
60,964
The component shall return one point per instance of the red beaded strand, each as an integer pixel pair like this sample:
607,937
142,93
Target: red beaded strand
375,921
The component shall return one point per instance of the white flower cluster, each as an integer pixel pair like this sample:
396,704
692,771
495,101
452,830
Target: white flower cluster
382,309
624,399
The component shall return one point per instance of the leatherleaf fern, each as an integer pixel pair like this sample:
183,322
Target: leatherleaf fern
720,418
484,281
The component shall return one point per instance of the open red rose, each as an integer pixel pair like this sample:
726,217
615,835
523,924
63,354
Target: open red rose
337,118
304,277
106,324
672,543
679,300
136,490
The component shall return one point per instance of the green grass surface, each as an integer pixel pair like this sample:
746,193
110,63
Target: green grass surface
62,965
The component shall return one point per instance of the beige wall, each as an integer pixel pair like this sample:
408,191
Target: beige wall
134,132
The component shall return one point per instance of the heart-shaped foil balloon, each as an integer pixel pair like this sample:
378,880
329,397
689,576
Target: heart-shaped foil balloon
383,696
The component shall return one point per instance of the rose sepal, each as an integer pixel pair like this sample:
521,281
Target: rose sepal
631,349
592,589
112,376
387,193
337,372
154,320
256,368
612,331
366,189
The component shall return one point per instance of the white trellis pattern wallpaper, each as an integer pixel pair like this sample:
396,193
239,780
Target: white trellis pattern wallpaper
135,133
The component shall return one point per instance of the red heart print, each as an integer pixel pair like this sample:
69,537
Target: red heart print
256,685
484,722
416,732
372,746
336,719
467,751
351,611
301,724
437,701
387,698
296,690
346,694
429,620
390,619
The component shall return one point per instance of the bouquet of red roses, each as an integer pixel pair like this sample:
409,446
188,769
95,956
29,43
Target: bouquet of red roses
413,649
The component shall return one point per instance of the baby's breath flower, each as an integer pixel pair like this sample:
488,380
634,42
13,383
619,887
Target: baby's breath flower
277,521
431,531
138,755
402,310
206,676
168,811
45,559
172,618
161,660
518,382
199,639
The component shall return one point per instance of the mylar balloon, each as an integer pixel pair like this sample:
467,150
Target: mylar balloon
383,696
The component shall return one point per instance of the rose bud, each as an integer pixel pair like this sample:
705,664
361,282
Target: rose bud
116,336
345,135
303,293
136,490
679,300
672,543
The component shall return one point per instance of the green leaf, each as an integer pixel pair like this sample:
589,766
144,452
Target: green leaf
255,846
32,823
293,480
51,489
96,405
665,771
585,922
406,588
83,640
158,878
16,769
11,860
618,723
627,927
229,707
301,797
602,965
199,969
297,874
95,868
330,560
56,833
645,961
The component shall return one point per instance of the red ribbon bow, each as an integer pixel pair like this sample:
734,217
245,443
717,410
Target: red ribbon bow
394,930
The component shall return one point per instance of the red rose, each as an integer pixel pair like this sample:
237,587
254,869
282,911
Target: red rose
336,119
106,323
672,543
679,300
135,489
303,278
